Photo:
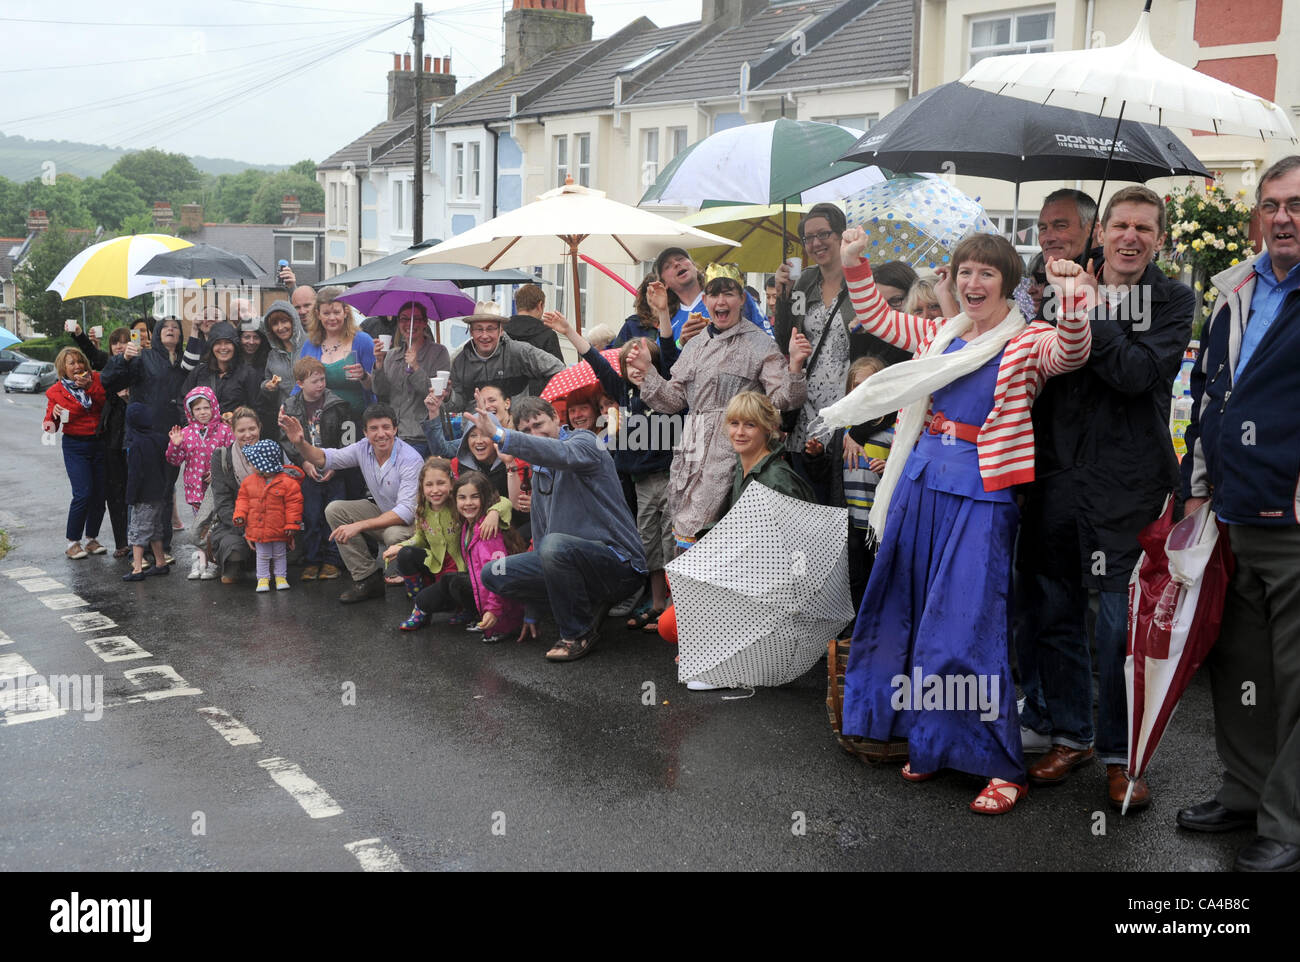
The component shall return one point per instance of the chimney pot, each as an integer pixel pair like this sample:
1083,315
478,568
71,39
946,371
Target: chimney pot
446,64
397,61
427,60
406,62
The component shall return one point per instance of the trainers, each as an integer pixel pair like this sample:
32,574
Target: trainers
210,571
263,584
196,568
94,547
309,573
371,586
327,573
281,583
76,552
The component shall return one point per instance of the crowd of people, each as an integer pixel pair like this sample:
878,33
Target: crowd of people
998,437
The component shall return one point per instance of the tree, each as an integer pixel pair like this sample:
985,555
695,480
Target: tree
159,175
13,219
112,199
266,202
233,195
48,255
62,200
305,167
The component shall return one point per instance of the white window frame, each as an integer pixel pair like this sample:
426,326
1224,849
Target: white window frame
584,167
674,135
333,205
862,122
458,170
293,250
401,220
1028,222
560,159
649,155
564,274
1047,45
475,151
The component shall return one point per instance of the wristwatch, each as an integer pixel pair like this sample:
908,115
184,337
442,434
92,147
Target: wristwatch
499,435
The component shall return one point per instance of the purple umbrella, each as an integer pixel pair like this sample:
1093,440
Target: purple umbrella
387,297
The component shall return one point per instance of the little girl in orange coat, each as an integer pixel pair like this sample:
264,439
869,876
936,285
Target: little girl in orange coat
269,509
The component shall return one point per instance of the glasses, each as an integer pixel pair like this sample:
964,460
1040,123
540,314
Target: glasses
1268,208
482,328
822,236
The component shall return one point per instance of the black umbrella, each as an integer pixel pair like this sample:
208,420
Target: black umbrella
202,260
462,275
956,128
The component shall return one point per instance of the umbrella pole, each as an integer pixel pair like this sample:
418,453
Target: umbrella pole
1015,215
577,294
1105,176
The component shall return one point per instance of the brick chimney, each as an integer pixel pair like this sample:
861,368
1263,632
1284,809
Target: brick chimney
191,218
289,207
437,79
533,28
37,221
162,214
724,14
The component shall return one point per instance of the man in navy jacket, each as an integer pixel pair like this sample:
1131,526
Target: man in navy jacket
1244,456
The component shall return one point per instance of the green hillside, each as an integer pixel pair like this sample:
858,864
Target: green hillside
21,159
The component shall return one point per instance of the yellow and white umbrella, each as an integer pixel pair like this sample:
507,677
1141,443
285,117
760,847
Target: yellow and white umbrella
108,269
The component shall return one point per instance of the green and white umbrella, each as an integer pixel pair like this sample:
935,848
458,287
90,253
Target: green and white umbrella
781,161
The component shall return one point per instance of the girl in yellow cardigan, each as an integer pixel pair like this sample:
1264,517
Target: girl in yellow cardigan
434,551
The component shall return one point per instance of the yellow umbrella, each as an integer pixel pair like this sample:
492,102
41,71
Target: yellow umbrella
108,269
756,226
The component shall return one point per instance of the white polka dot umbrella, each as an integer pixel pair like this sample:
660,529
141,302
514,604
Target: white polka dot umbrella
915,219
760,595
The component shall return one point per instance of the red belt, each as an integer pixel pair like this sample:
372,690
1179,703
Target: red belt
940,424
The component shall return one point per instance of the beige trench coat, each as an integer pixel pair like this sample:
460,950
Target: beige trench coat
709,373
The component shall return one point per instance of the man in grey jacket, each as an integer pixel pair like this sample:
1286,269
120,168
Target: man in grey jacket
491,357
587,553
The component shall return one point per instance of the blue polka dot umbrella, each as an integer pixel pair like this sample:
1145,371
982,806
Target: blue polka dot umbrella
915,219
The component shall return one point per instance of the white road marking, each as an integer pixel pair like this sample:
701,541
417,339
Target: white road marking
116,648
60,602
159,682
27,572
20,702
313,799
40,584
24,572
375,856
228,727
89,621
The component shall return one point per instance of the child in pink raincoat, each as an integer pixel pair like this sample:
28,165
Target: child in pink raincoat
474,496
192,446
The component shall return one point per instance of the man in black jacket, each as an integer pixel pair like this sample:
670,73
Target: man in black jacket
1104,466
526,325
1243,453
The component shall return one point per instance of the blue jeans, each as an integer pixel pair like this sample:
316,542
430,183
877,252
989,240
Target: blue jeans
316,547
1061,702
83,458
577,578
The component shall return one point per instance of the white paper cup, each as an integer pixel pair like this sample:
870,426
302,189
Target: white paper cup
445,375
97,332
69,326
386,340
437,384
796,267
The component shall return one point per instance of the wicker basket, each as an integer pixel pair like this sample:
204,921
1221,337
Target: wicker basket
867,749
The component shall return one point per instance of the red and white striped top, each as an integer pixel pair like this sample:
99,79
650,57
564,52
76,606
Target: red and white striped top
1005,443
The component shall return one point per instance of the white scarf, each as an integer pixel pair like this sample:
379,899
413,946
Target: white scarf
911,383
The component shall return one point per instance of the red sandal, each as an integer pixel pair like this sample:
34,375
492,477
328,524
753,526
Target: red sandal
1001,804
912,776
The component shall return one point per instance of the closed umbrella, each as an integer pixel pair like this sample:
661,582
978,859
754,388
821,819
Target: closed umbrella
561,224
762,593
1176,595
111,268
915,219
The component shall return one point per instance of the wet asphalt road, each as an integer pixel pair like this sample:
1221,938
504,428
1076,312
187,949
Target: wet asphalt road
456,755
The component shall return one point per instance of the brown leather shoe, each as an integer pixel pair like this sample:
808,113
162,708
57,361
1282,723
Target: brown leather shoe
328,573
1057,763
1117,788
309,573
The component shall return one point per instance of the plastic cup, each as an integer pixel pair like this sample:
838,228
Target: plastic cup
69,326
386,340
445,375
97,332
437,384
796,267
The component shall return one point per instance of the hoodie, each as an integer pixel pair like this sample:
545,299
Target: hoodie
525,327
198,441
282,355
327,431
495,471
155,379
146,469
240,386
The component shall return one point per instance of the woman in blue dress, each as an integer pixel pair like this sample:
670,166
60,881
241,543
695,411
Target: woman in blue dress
929,660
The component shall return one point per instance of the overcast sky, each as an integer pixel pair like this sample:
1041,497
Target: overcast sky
253,80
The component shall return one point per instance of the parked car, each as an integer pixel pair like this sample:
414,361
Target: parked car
11,359
31,377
